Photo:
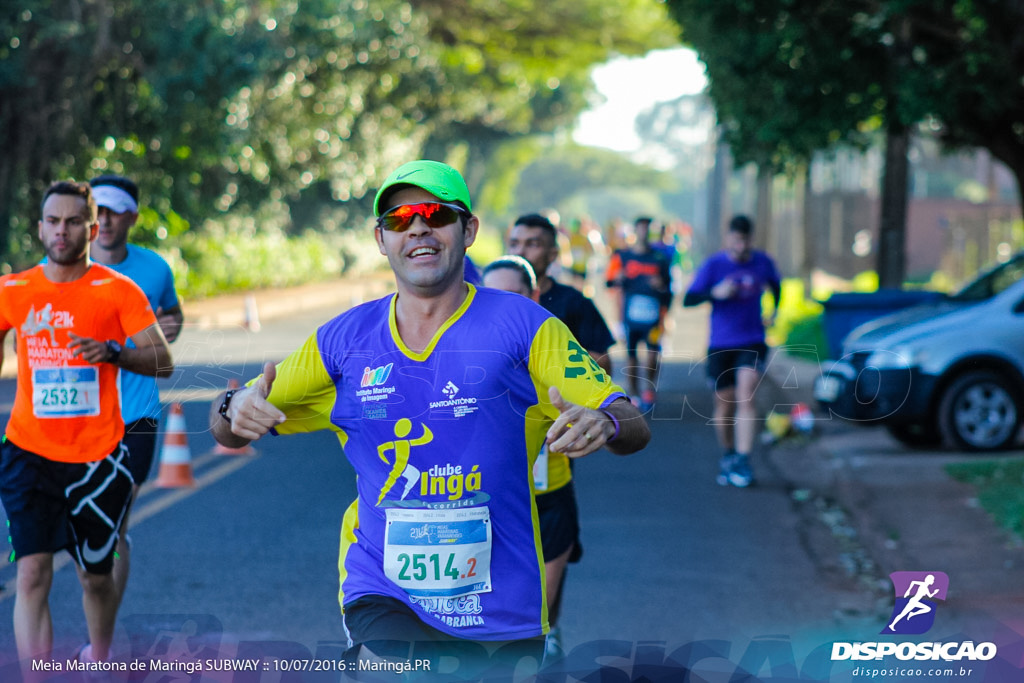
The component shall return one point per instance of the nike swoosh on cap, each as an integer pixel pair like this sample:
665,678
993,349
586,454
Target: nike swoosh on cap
406,175
96,556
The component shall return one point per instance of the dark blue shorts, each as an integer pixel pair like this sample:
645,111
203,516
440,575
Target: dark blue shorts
389,627
140,439
723,363
54,506
649,335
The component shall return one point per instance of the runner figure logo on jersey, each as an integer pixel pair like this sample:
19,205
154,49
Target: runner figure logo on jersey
44,320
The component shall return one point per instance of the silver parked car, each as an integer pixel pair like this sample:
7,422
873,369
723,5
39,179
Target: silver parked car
951,371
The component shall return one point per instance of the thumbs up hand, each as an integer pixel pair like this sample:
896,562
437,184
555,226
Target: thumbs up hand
579,430
266,381
250,413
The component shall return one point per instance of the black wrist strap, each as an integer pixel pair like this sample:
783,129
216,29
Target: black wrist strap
113,352
223,410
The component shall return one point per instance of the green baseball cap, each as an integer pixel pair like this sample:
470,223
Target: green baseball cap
440,180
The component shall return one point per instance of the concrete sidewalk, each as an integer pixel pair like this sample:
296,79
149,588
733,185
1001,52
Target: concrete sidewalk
906,512
230,310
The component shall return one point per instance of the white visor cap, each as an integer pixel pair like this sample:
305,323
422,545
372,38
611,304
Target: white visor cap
114,198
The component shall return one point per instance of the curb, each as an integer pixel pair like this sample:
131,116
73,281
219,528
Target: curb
899,504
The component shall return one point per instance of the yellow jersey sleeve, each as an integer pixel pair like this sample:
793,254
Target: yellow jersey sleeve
304,391
558,360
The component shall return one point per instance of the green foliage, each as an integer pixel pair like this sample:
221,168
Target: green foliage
865,282
504,170
515,70
1000,486
230,108
489,245
221,260
560,174
789,77
798,329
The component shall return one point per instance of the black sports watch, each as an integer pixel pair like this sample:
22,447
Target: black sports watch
223,410
113,351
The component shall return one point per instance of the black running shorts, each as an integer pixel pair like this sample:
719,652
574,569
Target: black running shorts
559,523
723,363
54,506
649,335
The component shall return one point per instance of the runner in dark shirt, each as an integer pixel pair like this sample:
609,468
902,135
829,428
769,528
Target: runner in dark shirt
642,277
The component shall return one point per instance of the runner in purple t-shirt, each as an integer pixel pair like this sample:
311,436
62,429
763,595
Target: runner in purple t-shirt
734,281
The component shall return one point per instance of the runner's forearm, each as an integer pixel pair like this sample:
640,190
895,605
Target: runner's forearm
221,428
152,361
634,432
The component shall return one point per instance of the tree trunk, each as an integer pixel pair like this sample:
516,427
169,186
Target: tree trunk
716,196
808,253
1017,170
764,235
892,231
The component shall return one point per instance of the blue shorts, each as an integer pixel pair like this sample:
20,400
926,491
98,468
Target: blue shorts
54,506
140,440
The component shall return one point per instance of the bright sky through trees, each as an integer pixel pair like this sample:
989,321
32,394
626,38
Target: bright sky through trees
631,85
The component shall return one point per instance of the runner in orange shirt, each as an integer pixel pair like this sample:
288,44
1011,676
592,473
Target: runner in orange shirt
64,478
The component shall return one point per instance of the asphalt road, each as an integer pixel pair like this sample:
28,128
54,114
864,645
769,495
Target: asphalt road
245,563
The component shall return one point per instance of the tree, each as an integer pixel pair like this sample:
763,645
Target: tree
521,69
237,104
968,59
549,181
829,72
783,83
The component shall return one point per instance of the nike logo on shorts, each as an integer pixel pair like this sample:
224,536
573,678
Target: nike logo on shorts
96,556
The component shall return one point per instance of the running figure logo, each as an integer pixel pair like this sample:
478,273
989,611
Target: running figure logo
914,611
402,447
40,321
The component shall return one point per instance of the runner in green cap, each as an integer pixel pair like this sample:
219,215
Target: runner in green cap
442,395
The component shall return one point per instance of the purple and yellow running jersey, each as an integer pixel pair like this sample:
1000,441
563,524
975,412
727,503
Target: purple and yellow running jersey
443,443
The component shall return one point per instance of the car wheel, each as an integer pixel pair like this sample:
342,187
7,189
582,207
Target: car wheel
923,434
980,411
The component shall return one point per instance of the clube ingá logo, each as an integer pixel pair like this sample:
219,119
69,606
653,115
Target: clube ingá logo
916,596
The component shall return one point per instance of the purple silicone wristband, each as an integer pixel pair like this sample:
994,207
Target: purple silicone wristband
615,421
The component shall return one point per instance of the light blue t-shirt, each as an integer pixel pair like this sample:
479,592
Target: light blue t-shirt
139,394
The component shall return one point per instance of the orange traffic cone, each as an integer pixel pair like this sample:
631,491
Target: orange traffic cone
175,456
247,449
